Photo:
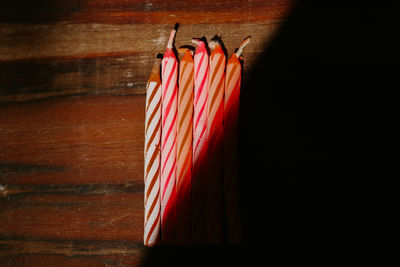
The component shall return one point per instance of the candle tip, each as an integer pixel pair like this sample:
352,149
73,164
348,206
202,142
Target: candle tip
216,40
171,39
245,42
176,26
197,41
212,44
185,48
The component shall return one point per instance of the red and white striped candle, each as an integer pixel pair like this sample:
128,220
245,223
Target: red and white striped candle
231,128
215,201
152,158
169,68
184,146
201,84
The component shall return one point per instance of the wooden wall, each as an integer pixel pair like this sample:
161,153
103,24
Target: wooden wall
72,95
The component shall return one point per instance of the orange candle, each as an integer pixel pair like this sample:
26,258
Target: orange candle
184,146
152,158
231,123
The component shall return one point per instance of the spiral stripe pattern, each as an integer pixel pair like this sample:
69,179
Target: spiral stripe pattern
201,84
152,163
169,68
215,202
184,146
231,114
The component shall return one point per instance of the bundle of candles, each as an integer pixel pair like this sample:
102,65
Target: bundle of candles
191,158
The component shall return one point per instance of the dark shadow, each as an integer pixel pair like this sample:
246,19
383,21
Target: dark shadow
300,106
33,75
41,11
190,47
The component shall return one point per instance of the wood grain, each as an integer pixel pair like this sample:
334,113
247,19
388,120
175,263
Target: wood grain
77,190
72,96
107,63
98,139
70,253
110,74
142,12
102,216
26,41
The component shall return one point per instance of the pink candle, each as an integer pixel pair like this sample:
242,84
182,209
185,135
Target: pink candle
169,68
201,72
231,123
215,202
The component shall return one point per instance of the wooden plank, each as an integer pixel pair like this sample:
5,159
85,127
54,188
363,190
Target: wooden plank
135,11
108,74
71,176
72,141
49,260
45,60
85,40
69,253
117,74
65,189
111,215
41,61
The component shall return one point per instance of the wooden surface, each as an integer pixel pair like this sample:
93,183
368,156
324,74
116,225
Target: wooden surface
72,95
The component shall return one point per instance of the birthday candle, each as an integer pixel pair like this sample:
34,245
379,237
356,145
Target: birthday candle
184,146
201,72
215,201
152,158
231,116
169,68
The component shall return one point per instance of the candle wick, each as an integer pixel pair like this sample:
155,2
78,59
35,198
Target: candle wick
171,39
196,41
245,42
183,50
212,44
